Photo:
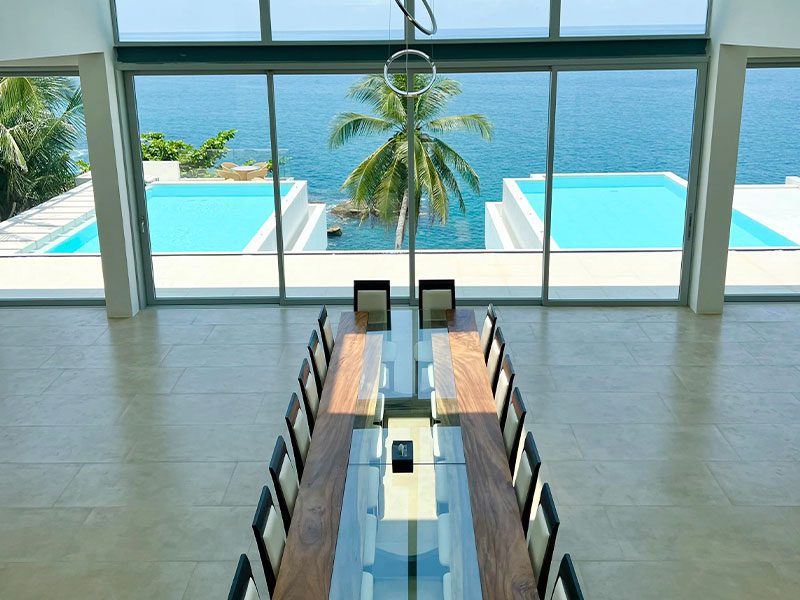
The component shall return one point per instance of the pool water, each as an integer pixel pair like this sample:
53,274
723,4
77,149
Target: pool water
194,217
630,211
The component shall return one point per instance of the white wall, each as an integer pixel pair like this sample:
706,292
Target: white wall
767,23
48,28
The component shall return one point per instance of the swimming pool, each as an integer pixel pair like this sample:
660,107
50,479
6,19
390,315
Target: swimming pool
630,211
194,217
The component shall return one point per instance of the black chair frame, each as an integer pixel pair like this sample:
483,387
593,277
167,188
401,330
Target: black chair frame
313,342
531,452
498,335
372,285
321,319
551,517
490,312
302,379
292,411
569,578
243,576
279,454
437,284
518,406
506,364
265,505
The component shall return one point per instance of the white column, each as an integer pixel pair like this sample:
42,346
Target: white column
719,153
111,198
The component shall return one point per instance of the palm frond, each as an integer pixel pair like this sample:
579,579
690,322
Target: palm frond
362,182
349,125
460,164
434,101
462,123
373,91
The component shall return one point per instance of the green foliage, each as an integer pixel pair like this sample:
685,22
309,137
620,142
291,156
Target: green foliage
41,122
83,166
378,184
194,162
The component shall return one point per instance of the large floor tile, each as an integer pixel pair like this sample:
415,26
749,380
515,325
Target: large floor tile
693,579
156,533
598,407
556,442
691,353
776,353
235,380
224,355
24,485
120,580
720,533
26,381
202,443
135,332
628,483
764,442
154,483
740,378
653,442
31,534
72,444
192,409
41,335
759,483
589,332
116,380
615,379
568,354
711,329
24,357
62,409
212,580
715,407
106,357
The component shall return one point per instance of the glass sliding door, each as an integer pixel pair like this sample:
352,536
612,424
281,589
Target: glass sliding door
482,183
342,147
620,186
209,198
764,249
49,248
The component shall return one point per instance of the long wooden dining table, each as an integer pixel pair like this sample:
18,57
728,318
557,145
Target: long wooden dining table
377,390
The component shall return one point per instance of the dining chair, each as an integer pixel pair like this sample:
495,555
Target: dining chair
487,330
284,480
502,392
244,586
326,331
270,538
308,390
437,295
373,297
567,586
512,427
527,478
318,363
542,538
299,433
496,351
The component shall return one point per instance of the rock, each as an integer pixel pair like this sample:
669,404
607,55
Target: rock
348,209
335,231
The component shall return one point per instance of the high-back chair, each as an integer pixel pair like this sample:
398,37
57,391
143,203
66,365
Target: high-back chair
502,392
326,331
496,351
487,330
437,295
542,538
299,433
270,538
318,363
527,478
373,297
512,427
244,586
309,392
567,586
284,480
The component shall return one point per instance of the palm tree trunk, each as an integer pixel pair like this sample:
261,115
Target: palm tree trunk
401,222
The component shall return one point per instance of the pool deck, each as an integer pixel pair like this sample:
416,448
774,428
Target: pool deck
25,272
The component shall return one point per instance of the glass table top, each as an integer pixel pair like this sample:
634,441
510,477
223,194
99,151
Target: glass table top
406,534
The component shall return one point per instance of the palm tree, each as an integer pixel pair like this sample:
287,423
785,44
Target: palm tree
378,185
41,122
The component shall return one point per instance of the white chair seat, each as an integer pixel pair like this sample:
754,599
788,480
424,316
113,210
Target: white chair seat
423,351
447,587
434,409
440,475
430,375
373,484
366,586
370,539
443,526
380,406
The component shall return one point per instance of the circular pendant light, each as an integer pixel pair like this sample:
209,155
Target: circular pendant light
400,54
417,24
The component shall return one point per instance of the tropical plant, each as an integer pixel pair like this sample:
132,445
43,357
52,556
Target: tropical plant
378,185
41,122
194,162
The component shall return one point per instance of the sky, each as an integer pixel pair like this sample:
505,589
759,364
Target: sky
242,16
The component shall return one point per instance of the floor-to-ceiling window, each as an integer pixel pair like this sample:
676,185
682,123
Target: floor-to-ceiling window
48,233
342,140
633,17
764,250
208,188
485,149
620,186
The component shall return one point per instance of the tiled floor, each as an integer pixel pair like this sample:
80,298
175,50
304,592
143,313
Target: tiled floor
132,452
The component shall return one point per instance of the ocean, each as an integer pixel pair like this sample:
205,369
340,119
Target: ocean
611,121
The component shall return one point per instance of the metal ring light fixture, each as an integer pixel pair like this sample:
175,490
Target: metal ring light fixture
434,27
409,52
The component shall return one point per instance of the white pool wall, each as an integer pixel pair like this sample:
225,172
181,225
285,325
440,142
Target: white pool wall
304,224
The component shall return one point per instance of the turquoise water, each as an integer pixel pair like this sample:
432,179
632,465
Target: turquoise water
631,211
202,217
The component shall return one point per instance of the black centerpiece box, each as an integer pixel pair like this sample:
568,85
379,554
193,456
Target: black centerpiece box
402,456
